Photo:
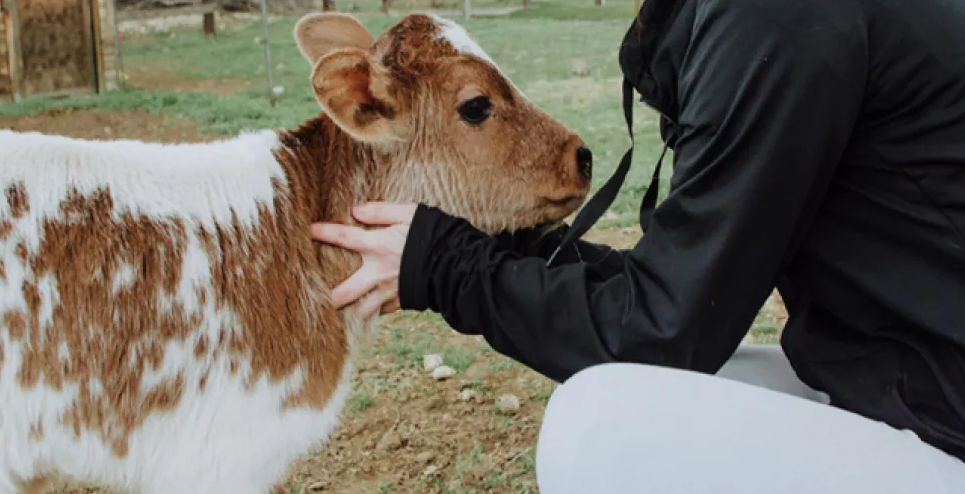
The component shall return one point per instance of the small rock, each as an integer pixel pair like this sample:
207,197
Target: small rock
317,486
443,372
431,362
391,441
431,469
508,404
425,457
468,394
578,67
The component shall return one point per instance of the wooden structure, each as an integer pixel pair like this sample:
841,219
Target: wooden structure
57,48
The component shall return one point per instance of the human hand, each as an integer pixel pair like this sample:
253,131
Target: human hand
381,249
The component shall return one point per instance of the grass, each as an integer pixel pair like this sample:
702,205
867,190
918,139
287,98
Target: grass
535,48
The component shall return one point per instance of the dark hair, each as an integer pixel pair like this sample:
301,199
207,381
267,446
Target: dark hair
652,17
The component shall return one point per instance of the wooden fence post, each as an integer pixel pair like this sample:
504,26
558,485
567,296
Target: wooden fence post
15,56
467,9
209,24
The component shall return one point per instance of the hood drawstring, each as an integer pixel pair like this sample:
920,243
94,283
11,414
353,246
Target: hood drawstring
601,201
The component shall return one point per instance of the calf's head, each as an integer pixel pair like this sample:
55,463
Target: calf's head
451,129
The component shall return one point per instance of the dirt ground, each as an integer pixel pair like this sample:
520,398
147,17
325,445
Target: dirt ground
156,78
403,430
106,125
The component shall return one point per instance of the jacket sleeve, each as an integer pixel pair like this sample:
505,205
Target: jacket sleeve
539,243
767,108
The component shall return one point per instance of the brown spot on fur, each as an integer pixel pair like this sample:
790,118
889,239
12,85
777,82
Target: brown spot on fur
268,276
201,347
6,228
203,381
21,251
37,484
17,200
109,337
36,431
16,324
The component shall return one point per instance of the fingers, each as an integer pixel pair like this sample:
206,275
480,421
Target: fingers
375,301
357,285
384,213
349,237
392,305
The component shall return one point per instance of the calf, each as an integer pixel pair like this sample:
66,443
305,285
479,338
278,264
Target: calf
167,324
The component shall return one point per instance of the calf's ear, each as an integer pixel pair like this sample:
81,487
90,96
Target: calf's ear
358,93
319,34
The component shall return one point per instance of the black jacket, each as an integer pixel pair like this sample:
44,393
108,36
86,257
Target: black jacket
820,148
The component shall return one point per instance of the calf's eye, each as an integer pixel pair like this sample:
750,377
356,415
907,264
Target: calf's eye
476,110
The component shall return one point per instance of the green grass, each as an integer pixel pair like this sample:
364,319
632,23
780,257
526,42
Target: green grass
534,47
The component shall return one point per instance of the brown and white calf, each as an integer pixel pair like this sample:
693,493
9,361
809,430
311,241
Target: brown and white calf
166,318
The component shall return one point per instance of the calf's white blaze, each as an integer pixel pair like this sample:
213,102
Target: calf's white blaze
459,38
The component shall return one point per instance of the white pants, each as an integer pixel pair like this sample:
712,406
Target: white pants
630,428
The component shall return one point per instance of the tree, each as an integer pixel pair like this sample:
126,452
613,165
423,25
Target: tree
386,5
328,5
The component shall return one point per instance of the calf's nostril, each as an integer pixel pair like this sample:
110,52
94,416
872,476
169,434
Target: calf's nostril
584,161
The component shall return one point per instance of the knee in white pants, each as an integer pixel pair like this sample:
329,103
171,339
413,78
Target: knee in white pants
581,428
621,428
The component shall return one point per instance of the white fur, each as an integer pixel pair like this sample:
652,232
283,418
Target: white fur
459,38
224,439
157,180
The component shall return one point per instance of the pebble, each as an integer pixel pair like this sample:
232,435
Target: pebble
425,457
390,441
508,404
578,67
468,394
431,362
443,372
317,486
431,469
